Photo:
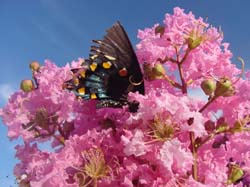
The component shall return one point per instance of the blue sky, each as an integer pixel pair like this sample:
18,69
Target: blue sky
62,31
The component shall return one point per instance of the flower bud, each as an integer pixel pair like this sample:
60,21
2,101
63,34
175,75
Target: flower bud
209,126
230,92
34,66
208,86
159,71
224,87
156,72
235,173
27,85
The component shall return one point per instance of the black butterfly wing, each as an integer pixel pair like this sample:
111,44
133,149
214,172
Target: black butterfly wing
127,76
112,71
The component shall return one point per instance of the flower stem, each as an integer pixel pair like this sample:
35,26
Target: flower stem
185,56
173,83
95,182
194,152
191,134
59,139
183,83
207,104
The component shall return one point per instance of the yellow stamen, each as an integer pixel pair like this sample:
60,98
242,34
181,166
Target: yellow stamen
94,168
162,128
95,165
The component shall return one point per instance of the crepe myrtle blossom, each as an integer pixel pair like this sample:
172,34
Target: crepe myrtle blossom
172,140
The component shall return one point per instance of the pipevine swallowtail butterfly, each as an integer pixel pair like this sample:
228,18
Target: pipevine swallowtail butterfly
110,73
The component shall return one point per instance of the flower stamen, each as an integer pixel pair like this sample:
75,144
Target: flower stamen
162,129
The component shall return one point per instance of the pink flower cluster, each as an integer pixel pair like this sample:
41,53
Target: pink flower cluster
173,139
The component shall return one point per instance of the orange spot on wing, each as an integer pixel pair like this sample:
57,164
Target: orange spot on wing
93,96
106,65
93,66
82,73
81,91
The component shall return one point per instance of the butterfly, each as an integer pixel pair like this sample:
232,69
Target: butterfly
110,73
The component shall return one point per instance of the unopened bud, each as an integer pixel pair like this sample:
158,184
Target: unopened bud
34,66
159,71
208,86
230,92
209,126
235,174
224,87
156,72
27,85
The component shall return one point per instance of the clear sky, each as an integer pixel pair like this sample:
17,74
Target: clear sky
62,30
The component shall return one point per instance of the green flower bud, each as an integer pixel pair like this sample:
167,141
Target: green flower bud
230,92
159,71
27,85
235,173
34,66
153,73
208,86
224,87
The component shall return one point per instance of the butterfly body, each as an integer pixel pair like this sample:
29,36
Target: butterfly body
110,73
